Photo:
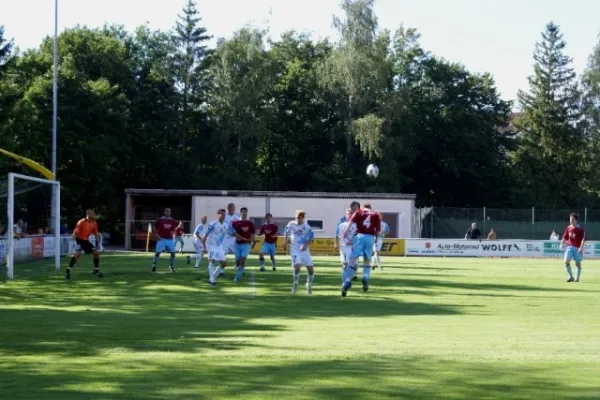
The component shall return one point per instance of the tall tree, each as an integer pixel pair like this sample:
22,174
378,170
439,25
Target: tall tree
591,86
549,158
190,39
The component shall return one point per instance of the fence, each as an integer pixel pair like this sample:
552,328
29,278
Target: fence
531,223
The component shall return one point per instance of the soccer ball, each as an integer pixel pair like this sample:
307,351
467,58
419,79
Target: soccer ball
372,171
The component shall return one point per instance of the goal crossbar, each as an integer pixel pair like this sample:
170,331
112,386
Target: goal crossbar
11,219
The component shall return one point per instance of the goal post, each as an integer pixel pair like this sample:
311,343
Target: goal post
10,237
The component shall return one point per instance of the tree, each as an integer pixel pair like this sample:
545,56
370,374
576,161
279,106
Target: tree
191,51
550,138
591,86
6,48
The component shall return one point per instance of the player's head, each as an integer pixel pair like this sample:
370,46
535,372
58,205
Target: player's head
167,212
366,205
574,218
300,215
244,213
268,218
473,225
89,213
355,205
221,214
348,212
204,219
231,208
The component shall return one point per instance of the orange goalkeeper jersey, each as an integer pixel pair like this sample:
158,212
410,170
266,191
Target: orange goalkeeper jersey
84,228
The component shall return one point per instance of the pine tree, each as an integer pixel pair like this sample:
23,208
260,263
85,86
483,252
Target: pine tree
551,141
6,47
190,40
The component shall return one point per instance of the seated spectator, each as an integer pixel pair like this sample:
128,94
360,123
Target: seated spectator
19,229
492,234
554,235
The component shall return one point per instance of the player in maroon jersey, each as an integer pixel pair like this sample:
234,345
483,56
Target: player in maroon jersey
368,226
165,229
271,232
574,237
178,236
243,230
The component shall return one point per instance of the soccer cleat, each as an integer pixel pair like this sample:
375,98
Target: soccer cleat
571,280
365,285
345,287
171,269
308,288
98,273
576,280
355,278
153,268
68,273
294,287
213,283
221,273
274,269
262,269
189,259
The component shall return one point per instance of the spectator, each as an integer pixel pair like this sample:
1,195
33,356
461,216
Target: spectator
473,233
64,229
554,235
19,229
492,234
40,232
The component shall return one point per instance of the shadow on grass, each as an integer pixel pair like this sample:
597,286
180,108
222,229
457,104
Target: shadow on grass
344,378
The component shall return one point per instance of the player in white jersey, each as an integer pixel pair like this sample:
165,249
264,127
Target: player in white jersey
385,229
344,244
213,242
299,235
229,242
197,241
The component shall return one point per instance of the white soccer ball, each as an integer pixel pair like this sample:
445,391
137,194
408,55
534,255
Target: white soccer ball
373,171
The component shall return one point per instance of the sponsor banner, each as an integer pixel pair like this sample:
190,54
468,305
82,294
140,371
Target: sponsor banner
320,246
34,248
37,247
492,248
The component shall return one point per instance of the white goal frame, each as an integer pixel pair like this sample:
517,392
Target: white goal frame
10,257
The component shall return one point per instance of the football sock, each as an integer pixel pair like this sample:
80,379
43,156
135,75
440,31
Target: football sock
261,260
578,272
366,272
310,277
211,270
73,260
172,260
296,276
155,259
570,271
96,261
273,261
240,273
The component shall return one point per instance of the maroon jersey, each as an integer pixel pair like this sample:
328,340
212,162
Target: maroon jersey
367,222
244,228
179,231
574,235
270,231
165,227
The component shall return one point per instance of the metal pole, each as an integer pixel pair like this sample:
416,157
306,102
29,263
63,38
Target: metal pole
432,215
484,221
57,239
585,217
128,222
54,210
532,221
10,234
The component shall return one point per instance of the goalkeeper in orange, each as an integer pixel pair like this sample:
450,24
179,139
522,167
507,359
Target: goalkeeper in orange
83,230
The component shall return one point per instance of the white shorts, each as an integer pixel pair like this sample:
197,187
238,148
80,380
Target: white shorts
377,246
302,258
345,254
198,245
216,253
229,245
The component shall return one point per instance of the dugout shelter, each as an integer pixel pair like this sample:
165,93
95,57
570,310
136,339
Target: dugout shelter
323,209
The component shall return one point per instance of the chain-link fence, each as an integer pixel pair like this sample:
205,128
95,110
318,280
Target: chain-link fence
530,223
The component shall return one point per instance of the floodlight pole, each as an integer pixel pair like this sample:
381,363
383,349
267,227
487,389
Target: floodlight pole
55,210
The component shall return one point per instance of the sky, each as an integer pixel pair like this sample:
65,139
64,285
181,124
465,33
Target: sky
495,36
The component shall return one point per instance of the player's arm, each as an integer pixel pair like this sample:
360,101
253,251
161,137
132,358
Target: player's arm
565,237
253,232
349,224
582,242
286,237
77,229
208,231
97,235
336,239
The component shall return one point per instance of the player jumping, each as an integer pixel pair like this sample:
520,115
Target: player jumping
244,231
213,241
83,230
368,225
385,229
344,244
165,228
269,246
300,236
574,236
197,241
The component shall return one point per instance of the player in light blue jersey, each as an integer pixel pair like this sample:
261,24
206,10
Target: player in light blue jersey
385,230
344,243
213,242
197,241
299,235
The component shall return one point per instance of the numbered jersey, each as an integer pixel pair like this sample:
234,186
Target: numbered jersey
367,222
346,241
215,233
300,234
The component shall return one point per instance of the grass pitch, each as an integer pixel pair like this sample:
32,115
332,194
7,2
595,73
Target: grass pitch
428,328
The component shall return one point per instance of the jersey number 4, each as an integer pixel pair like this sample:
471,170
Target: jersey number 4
367,221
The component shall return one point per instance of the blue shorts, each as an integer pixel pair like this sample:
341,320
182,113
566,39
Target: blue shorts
167,245
268,248
363,246
572,253
242,250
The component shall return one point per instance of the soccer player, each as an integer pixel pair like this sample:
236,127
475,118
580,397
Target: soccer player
271,232
574,236
355,205
385,229
300,236
368,225
213,241
229,241
165,228
244,231
344,244
178,236
83,230
197,241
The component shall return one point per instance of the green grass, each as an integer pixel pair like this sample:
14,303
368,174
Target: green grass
428,328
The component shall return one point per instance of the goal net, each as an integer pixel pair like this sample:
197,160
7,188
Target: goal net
29,228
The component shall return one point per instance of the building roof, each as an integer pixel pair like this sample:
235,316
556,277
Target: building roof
249,193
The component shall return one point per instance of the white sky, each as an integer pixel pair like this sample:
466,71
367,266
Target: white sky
496,36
